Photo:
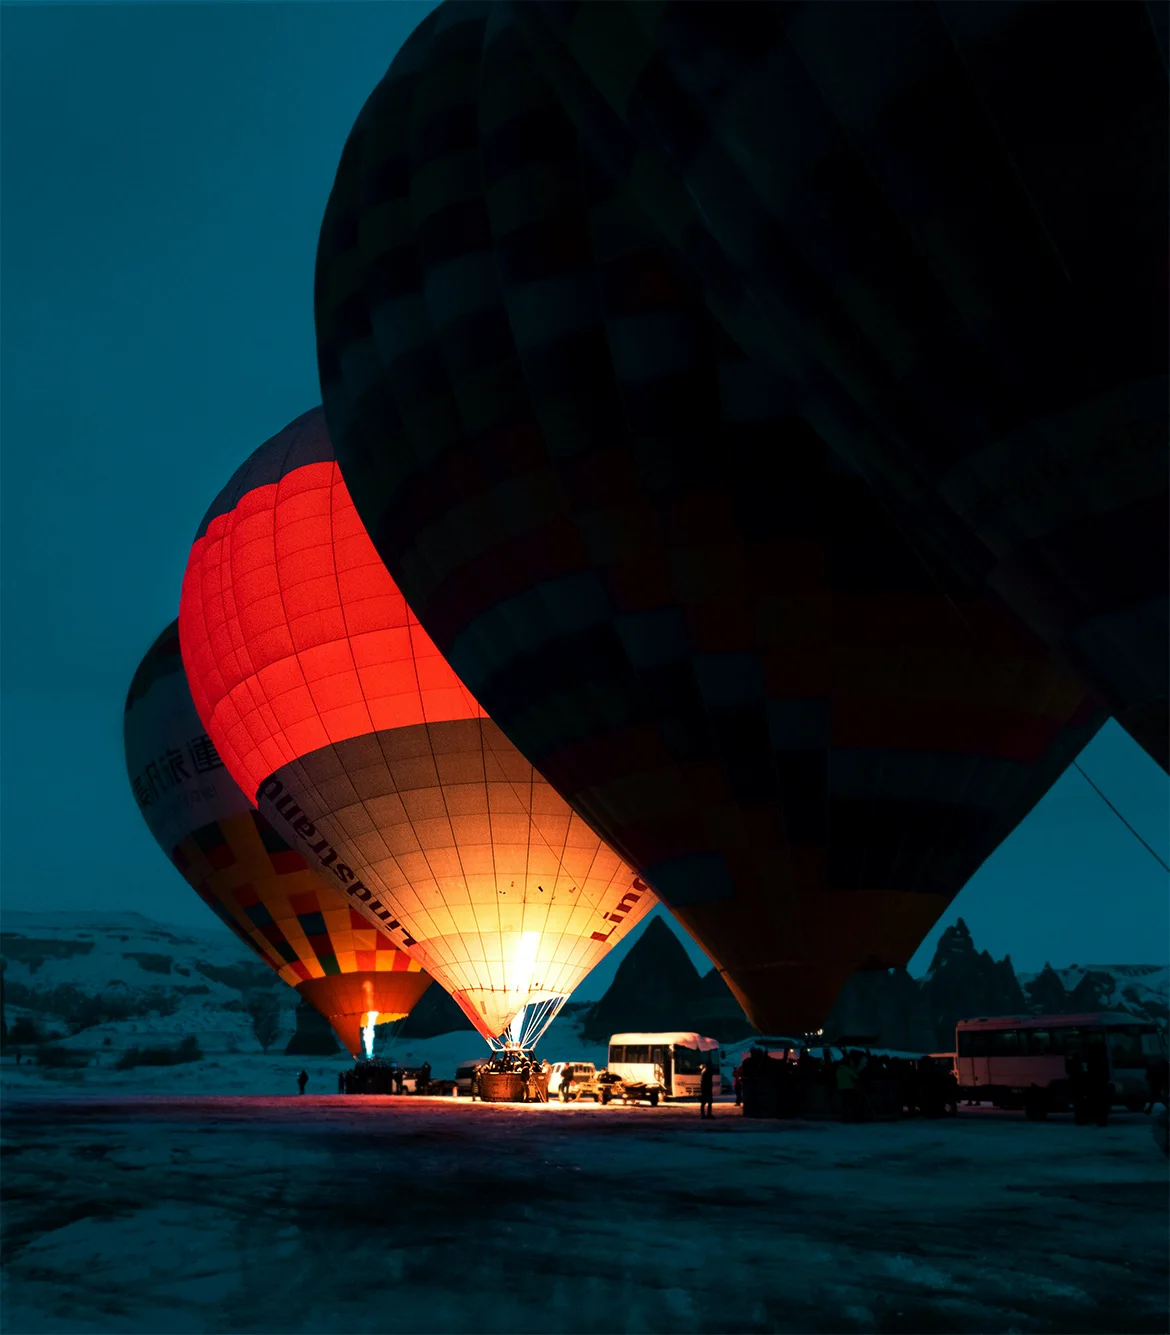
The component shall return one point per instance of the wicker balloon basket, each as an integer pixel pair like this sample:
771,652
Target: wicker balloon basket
510,1087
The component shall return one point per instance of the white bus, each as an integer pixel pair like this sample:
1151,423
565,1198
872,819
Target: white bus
1018,1061
672,1063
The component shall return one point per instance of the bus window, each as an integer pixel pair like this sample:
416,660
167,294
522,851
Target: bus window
689,1061
1153,1041
1134,1045
658,1054
1039,1042
617,1053
1065,1042
1005,1042
638,1054
973,1043
1092,1038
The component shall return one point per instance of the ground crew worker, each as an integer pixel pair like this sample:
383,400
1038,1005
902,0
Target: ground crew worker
707,1092
302,1081
847,1089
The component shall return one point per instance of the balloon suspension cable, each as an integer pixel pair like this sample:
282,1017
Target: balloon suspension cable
1152,851
528,1025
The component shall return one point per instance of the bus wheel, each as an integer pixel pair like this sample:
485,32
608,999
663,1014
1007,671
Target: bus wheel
654,1098
1035,1105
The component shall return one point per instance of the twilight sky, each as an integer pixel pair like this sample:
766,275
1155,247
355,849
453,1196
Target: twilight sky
164,171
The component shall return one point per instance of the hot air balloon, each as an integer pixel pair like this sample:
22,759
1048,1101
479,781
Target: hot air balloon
696,620
946,227
330,704
301,926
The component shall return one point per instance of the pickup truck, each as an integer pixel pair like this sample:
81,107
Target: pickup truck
629,1091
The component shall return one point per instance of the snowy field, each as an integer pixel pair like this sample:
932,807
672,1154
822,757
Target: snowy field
147,1213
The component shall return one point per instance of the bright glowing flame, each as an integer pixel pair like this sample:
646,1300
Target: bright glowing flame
368,1032
524,964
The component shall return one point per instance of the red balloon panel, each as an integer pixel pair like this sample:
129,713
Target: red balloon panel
294,635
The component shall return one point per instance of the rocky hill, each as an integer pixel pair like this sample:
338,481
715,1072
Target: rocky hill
656,988
118,980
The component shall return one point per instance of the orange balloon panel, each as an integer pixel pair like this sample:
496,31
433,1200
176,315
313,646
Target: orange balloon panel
333,708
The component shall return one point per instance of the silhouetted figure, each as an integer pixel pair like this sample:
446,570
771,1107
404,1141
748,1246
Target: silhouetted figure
566,1085
707,1092
475,1083
1098,1088
341,1082
1074,1069
1157,1079
737,1082
847,1090
424,1079
395,1081
930,1095
302,1081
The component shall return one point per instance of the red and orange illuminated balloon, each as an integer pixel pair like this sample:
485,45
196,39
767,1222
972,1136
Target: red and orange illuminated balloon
299,924
332,707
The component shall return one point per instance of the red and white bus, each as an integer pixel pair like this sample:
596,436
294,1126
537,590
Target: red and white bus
1019,1061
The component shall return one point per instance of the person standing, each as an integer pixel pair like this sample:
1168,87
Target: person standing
424,1079
302,1081
1074,1070
1098,1087
566,1084
707,1091
847,1089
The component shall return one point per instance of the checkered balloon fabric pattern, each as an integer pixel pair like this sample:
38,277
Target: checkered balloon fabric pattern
944,226
696,617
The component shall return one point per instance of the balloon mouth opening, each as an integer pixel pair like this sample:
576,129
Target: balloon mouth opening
529,1023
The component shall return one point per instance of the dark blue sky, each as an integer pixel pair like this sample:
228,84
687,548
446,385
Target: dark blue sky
164,171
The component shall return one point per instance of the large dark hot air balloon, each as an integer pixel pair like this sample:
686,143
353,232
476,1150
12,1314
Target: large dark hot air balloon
330,704
946,225
685,609
244,871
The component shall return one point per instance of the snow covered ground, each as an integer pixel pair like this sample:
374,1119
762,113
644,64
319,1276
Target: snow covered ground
323,1214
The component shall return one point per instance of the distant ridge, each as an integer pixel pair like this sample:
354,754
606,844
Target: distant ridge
162,979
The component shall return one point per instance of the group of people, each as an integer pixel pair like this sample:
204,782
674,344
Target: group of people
857,1087
532,1074
381,1077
